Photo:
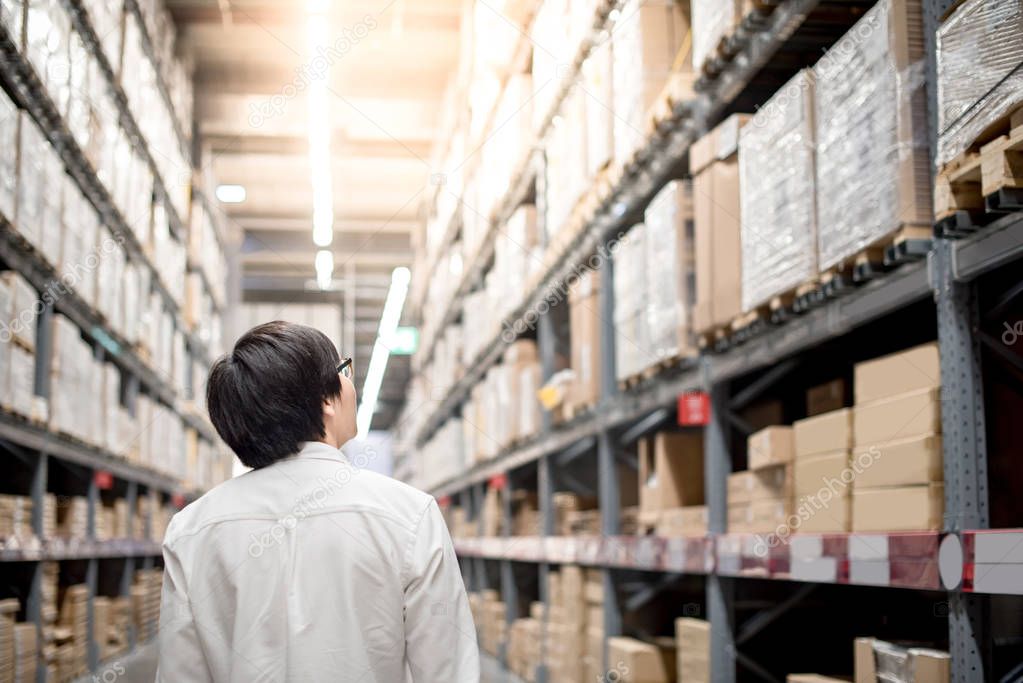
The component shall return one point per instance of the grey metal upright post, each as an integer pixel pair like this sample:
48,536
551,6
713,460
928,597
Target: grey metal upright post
509,589
44,350
607,469
965,456
545,340
128,570
720,589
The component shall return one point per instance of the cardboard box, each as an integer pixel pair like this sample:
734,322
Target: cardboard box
687,521
898,373
738,517
670,471
772,483
900,417
863,661
766,515
899,508
826,397
584,315
826,433
740,486
770,446
645,662
823,497
713,22
692,638
916,460
929,666
716,212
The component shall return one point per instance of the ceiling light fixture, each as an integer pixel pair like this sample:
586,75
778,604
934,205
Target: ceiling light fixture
318,114
324,268
231,194
400,278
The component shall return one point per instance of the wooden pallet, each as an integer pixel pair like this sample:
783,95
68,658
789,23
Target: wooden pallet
983,182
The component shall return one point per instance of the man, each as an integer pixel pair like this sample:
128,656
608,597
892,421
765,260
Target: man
306,568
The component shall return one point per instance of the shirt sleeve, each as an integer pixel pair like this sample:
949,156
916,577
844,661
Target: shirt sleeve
181,657
440,637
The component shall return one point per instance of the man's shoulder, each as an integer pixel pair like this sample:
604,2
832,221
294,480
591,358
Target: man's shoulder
407,501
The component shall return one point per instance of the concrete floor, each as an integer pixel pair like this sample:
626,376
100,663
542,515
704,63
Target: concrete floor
141,668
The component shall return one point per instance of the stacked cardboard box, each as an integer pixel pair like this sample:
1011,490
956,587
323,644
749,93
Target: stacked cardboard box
492,622
713,163
713,22
567,510
585,322
145,602
897,442
73,517
524,646
826,397
670,474
633,350
8,141
779,210
8,615
684,521
566,628
638,661
567,166
823,476
878,660
650,43
525,513
72,630
593,651
693,642
668,276
15,520
443,456
872,135
600,121
518,256
761,499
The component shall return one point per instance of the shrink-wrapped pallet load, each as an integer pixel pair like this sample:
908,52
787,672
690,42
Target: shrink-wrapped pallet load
779,211
873,173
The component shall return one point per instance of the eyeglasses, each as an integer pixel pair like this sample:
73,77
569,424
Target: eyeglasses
345,367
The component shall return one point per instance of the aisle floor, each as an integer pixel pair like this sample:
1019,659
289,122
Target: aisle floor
141,668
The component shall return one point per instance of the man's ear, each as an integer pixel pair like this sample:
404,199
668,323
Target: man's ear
328,407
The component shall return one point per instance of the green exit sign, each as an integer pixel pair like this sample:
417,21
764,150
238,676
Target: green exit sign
404,341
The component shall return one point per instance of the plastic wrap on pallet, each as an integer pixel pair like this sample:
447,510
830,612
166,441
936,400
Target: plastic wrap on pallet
633,350
873,174
12,17
980,71
9,159
648,40
713,21
779,213
665,304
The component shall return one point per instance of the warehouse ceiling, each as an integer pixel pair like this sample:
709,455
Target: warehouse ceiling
388,67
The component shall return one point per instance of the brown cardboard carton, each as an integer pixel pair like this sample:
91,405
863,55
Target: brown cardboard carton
929,666
772,483
584,314
901,508
898,373
770,446
826,433
670,471
863,656
692,638
916,460
645,662
763,414
738,517
713,163
765,516
823,496
740,486
900,417
687,521
825,397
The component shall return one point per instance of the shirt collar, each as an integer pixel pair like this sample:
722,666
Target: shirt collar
320,451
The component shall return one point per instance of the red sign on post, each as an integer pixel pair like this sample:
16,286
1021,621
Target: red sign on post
694,409
444,501
104,480
177,500
498,481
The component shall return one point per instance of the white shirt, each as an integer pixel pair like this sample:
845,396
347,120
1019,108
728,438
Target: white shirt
313,570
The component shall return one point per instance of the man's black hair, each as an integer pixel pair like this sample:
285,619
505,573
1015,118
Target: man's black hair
266,396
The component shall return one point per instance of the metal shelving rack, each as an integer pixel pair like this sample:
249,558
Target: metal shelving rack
32,448
947,276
